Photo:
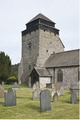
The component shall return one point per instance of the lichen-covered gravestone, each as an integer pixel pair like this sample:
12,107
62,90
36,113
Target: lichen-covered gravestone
10,97
55,97
57,86
1,91
73,97
45,102
36,94
15,85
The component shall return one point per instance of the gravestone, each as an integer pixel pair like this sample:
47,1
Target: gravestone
58,92
53,92
15,85
10,97
62,91
29,85
55,97
57,86
53,86
2,82
1,91
45,102
36,94
37,84
73,97
34,86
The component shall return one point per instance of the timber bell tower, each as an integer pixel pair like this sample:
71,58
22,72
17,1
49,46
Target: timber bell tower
39,40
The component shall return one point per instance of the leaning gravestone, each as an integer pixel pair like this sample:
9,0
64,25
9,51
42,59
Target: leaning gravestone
55,97
36,94
15,85
45,102
73,97
10,97
1,91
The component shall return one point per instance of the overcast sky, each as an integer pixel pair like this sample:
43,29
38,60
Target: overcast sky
14,14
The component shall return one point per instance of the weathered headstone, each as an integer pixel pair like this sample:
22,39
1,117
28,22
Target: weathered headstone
15,85
73,97
10,97
37,84
29,85
57,86
58,92
36,94
55,97
62,91
53,86
45,102
34,86
1,91
2,82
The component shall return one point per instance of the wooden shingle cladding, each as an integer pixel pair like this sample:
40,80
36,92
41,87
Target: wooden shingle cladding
40,22
63,59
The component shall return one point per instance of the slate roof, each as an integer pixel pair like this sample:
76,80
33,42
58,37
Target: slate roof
40,16
63,59
42,72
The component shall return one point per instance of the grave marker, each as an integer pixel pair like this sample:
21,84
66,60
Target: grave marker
36,94
1,91
55,97
10,98
57,86
15,85
34,86
45,102
73,97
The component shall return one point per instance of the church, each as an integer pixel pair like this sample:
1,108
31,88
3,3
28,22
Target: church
44,61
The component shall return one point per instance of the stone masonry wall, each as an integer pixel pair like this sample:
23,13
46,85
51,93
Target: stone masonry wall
29,55
43,44
70,75
43,81
48,43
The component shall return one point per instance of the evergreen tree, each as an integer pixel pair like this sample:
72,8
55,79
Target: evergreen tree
5,66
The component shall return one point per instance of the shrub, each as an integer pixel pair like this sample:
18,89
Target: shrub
11,80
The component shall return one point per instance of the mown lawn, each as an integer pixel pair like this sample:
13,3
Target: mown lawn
27,108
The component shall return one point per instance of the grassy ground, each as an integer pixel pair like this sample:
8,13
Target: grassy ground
27,108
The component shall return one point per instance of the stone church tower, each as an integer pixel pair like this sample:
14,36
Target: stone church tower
39,40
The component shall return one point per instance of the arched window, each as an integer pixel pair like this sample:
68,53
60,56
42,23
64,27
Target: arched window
59,76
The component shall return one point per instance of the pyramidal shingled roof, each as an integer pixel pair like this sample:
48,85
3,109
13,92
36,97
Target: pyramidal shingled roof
40,16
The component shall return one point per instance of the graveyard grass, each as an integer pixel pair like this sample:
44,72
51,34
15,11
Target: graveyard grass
27,108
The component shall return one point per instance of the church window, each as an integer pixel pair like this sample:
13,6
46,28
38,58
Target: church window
59,76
